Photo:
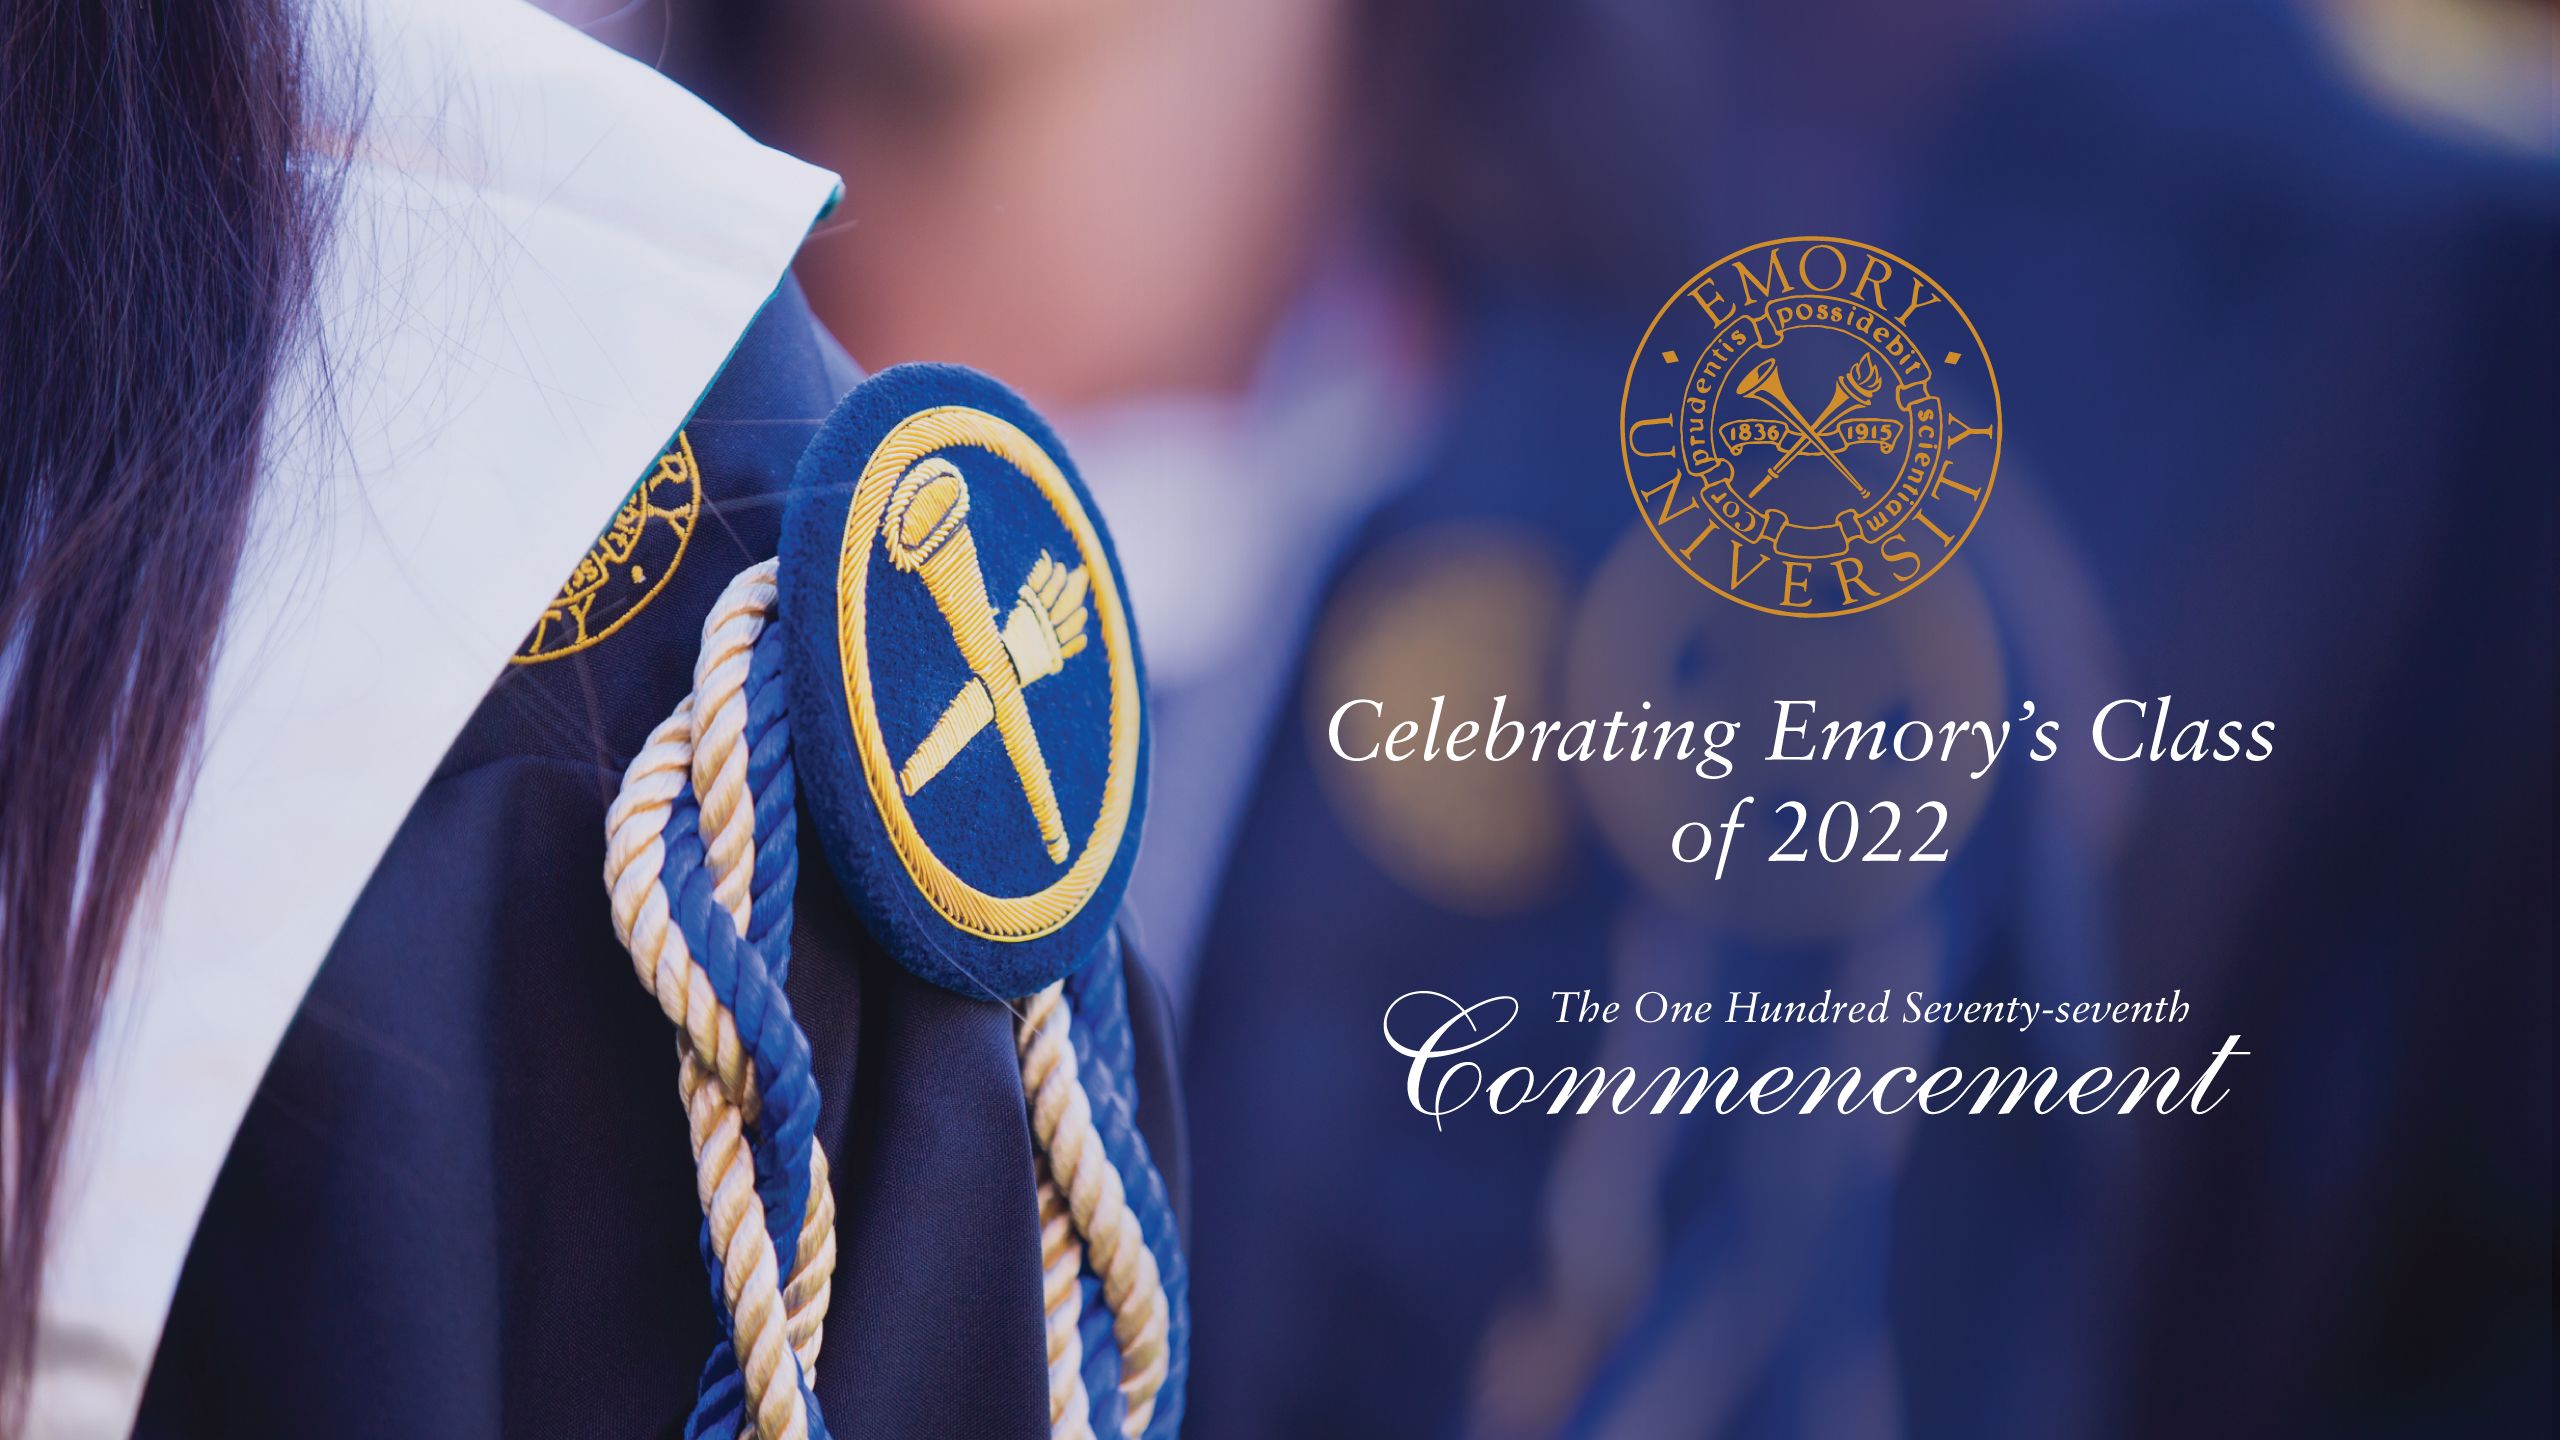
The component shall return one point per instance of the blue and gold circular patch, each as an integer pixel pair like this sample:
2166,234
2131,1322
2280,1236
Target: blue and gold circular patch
965,688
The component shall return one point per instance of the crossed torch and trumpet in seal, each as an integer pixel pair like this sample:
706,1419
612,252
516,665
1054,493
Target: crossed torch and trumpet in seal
926,532
1849,393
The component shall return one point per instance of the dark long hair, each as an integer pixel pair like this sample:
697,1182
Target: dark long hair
159,238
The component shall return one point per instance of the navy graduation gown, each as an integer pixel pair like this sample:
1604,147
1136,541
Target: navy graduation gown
462,1202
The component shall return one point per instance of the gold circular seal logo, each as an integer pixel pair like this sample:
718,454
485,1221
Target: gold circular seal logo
1810,426
627,566
941,507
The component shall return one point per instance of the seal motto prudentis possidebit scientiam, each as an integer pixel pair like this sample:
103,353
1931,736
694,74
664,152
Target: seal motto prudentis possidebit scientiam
965,681
1810,427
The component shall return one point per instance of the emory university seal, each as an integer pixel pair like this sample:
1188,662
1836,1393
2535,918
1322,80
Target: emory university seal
1810,427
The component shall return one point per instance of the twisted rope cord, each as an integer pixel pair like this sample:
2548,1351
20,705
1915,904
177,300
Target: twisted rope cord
1062,1298
1097,1201
762,908
716,1078
742,768
777,1168
681,900
636,860
1106,1054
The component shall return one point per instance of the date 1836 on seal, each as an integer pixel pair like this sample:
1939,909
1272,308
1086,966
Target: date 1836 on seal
1810,427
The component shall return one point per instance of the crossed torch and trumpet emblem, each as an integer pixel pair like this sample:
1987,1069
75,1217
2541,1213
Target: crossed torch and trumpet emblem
1850,393
926,532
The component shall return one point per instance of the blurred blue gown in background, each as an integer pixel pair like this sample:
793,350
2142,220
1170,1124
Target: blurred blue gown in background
2278,376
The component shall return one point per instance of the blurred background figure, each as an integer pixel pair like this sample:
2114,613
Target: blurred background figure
1228,246
1334,303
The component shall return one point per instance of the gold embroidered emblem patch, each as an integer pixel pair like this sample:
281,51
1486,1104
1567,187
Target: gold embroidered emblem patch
1810,427
629,563
917,507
